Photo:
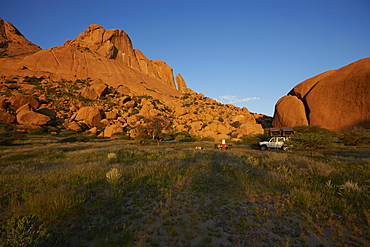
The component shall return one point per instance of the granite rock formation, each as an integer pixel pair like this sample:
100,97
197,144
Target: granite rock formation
12,42
99,83
336,100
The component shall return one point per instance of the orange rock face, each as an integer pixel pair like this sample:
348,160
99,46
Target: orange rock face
289,111
13,43
336,100
99,54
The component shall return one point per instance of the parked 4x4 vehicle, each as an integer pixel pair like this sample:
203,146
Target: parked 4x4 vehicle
274,142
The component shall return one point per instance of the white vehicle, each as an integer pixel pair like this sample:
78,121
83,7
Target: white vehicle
274,142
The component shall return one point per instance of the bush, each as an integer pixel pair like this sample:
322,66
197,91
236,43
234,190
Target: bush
8,135
67,133
186,138
251,139
33,80
153,128
355,136
207,139
235,124
25,231
121,135
311,139
76,138
37,131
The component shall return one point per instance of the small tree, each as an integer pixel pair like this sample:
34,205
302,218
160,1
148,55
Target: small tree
153,128
311,139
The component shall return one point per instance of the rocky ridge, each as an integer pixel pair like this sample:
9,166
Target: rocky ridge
98,83
12,42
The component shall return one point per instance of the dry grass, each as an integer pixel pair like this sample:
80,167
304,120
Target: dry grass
114,193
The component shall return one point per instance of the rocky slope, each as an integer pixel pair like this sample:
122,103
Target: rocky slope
336,99
101,84
12,42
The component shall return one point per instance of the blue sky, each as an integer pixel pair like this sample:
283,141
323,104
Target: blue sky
245,52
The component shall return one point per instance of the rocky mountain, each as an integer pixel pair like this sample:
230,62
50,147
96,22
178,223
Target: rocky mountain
336,99
99,83
12,42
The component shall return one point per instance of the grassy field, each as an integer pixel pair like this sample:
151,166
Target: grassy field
117,193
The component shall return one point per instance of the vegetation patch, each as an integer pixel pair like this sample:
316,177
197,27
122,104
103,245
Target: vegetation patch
116,192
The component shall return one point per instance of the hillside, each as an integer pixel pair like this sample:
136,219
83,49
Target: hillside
99,83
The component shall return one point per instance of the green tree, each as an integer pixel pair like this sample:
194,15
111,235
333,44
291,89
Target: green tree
311,139
153,128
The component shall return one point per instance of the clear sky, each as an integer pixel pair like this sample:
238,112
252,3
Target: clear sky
245,52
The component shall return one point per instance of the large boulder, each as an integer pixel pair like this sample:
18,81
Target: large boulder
110,130
19,100
130,104
250,129
89,93
89,115
243,119
289,111
336,100
32,118
6,118
99,87
48,112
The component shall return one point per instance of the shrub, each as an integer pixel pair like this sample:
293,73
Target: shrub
8,135
311,139
24,231
33,80
76,138
152,129
355,136
67,133
53,203
113,177
251,139
37,131
190,139
185,96
207,139
235,124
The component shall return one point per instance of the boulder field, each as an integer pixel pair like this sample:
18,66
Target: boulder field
335,100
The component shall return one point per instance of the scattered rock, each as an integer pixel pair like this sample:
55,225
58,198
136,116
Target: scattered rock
6,118
110,130
89,93
48,112
32,118
74,126
19,100
89,115
130,104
